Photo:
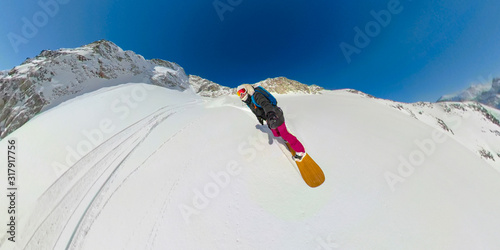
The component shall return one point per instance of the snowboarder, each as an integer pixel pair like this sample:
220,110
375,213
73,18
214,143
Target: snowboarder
261,103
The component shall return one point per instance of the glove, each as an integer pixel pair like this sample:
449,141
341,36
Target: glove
261,121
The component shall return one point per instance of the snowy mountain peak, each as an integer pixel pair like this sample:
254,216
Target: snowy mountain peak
495,85
207,88
278,85
53,77
488,94
104,47
283,85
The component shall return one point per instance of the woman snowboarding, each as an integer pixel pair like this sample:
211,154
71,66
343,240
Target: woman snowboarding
258,100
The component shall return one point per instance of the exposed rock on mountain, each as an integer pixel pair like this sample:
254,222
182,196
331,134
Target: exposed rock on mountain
56,76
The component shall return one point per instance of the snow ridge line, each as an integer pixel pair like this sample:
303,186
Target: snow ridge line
87,161
85,172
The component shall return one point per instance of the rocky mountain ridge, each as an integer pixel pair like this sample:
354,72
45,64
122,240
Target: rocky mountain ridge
53,77
278,85
488,94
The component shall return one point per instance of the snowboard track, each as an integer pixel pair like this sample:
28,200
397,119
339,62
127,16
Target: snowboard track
85,225
57,208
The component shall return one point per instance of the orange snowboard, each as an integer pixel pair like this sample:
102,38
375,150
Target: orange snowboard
310,171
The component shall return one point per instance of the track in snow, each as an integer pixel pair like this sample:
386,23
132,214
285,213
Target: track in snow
63,207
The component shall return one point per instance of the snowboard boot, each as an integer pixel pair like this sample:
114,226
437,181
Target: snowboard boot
299,156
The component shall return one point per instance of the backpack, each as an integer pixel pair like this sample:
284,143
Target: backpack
266,93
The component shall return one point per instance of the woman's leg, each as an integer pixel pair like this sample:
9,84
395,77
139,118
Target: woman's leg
276,133
294,143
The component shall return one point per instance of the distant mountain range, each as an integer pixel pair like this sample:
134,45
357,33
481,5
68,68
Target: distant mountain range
54,77
278,85
488,94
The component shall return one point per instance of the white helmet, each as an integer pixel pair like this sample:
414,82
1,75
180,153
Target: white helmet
244,91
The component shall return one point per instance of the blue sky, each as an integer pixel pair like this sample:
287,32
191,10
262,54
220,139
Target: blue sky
427,49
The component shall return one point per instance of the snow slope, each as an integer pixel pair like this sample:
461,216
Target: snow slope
170,170
471,124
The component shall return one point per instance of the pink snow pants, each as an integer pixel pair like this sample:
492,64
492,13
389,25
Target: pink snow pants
294,143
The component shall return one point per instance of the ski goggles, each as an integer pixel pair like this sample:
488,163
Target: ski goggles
242,92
